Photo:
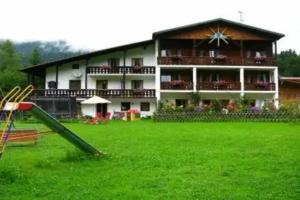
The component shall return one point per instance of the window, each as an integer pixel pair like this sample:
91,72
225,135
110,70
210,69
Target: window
248,54
215,77
52,85
145,106
178,52
262,77
75,66
113,62
257,54
101,84
136,84
211,53
249,78
165,78
263,53
181,102
125,106
166,52
137,62
74,84
201,53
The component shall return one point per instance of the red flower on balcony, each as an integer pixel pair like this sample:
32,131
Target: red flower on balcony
261,84
105,67
137,68
177,83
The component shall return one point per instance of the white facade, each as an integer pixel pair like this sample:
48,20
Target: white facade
149,55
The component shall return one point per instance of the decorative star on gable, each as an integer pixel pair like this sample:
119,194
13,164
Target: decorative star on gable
218,36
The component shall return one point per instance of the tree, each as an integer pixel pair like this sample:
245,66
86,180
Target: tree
289,63
10,63
35,57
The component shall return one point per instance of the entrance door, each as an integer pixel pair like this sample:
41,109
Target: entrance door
101,84
102,108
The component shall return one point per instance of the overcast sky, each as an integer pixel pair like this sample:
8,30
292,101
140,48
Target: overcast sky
98,24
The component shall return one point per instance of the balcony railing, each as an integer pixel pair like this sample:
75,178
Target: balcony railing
264,86
219,85
120,70
140,93
197,60
177,85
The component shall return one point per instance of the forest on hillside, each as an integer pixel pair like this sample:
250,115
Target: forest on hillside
14,56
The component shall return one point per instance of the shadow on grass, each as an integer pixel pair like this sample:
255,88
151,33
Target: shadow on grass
9,175
79,156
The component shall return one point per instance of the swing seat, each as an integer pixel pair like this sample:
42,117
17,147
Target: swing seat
23,135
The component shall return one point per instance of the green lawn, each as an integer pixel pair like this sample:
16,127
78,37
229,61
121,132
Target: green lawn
148,160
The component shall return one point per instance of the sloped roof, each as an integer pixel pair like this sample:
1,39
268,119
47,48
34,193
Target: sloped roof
86,55
185,28
40,67
290,79
95,100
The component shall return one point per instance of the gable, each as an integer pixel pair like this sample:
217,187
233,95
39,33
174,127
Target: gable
205,32
202,30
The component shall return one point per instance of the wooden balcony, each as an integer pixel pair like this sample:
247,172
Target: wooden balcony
120,70
114,93
260,86
219,85
177,85
197,60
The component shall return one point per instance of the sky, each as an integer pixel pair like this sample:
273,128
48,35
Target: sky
99,24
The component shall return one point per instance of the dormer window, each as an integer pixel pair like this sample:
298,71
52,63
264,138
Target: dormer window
75,66
137,62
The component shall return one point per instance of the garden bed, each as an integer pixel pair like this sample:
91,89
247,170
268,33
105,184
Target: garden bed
221,116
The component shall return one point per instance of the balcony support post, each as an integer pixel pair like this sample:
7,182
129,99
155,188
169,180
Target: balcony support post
124,71
85,74
194,79
157,83
242,81
56,75
157,72
276,80
242,51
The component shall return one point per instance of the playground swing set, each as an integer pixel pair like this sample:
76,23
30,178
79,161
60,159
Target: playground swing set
13,101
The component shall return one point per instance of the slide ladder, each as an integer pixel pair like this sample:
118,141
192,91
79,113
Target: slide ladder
9,104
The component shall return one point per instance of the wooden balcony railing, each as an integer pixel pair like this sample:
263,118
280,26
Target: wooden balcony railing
219,85
121,70
177,85
141,93
197,60
260,86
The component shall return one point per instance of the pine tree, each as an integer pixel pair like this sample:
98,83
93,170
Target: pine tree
35,56
10,64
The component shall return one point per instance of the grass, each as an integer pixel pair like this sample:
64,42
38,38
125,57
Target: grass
147,160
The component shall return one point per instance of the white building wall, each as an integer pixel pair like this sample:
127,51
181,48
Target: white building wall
65,74
115,106
88,110
50,75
